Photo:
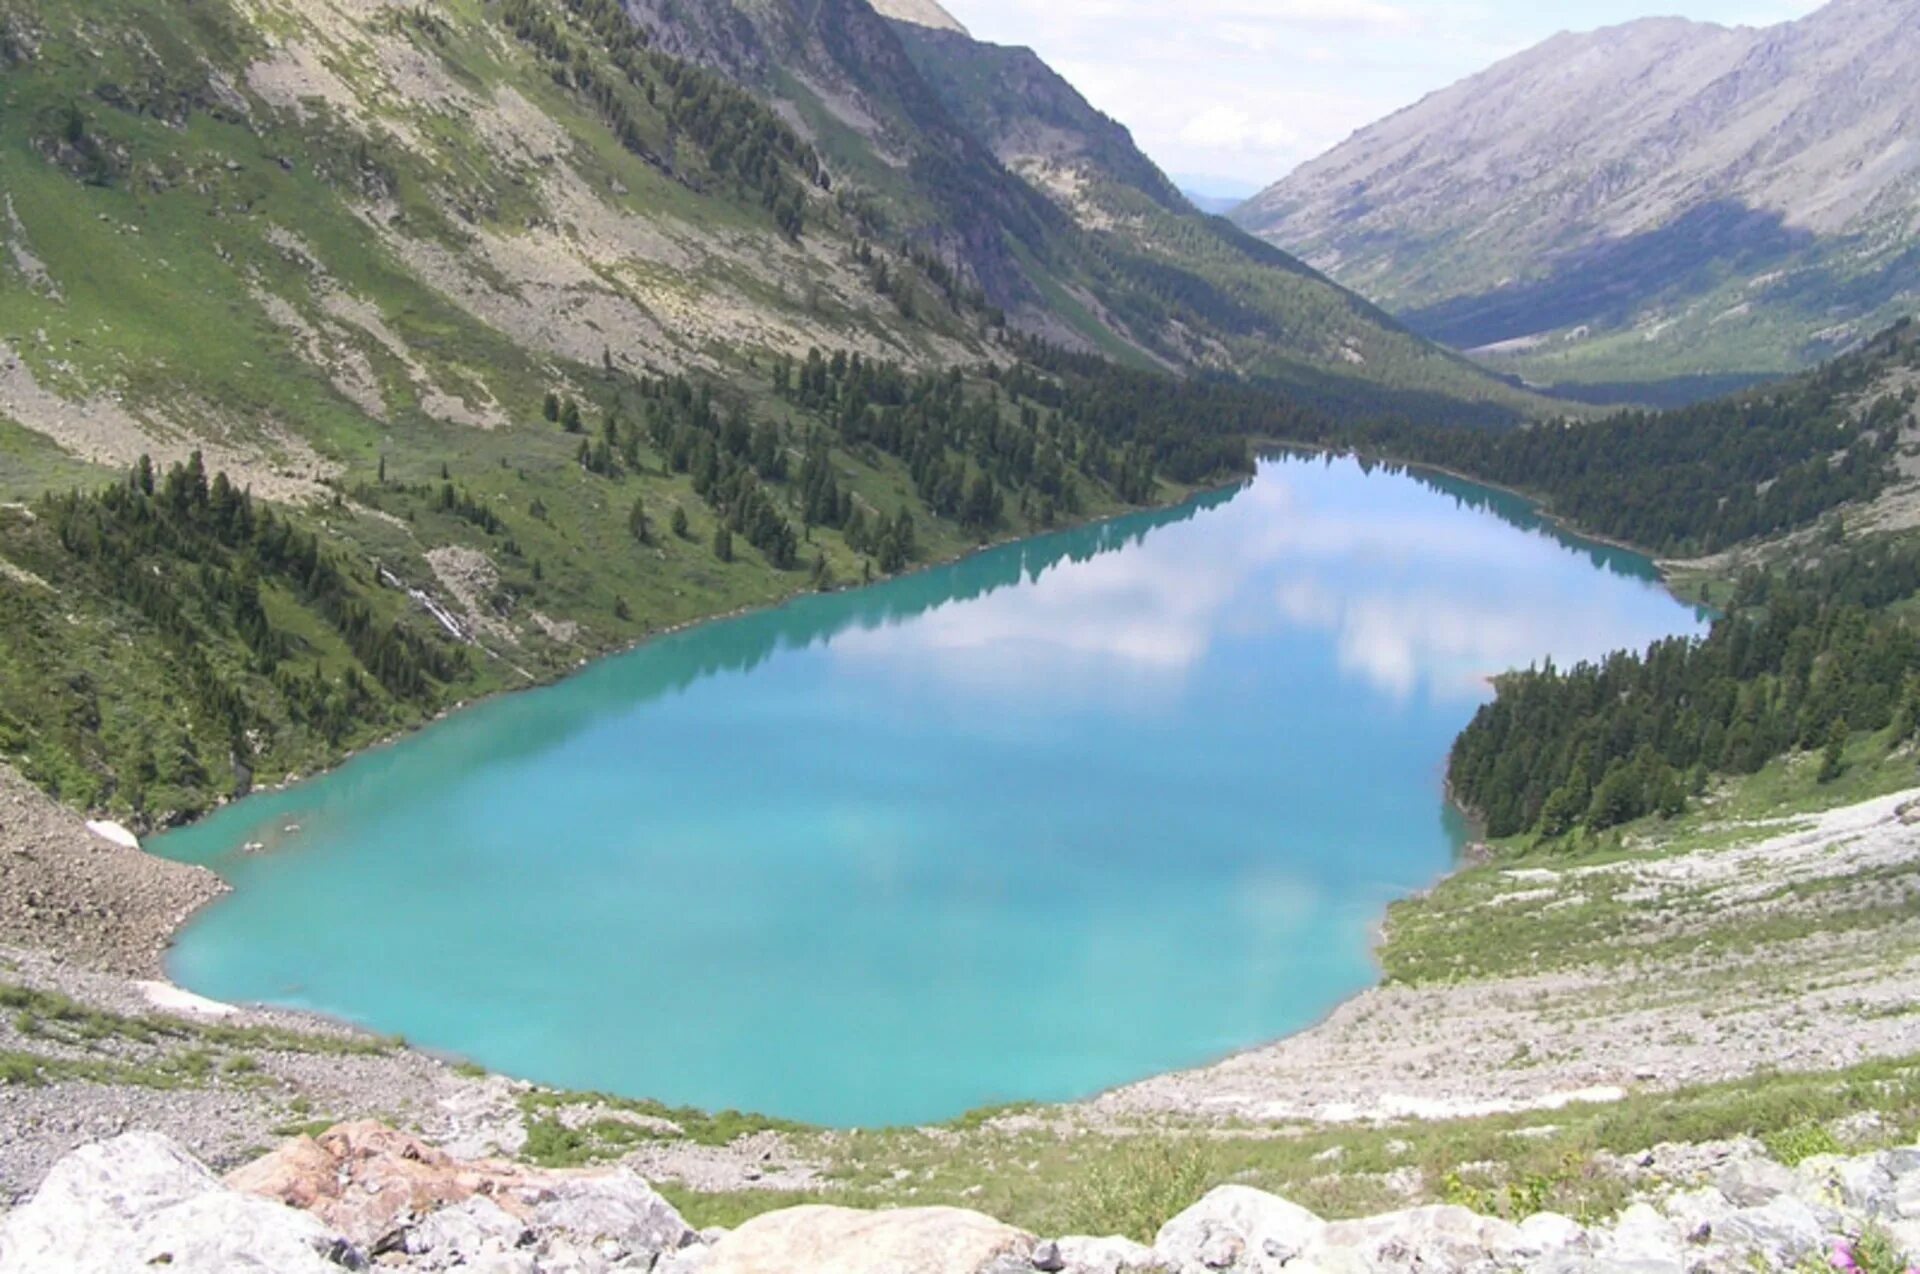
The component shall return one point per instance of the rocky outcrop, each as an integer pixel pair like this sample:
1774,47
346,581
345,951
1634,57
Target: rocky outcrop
385,1191
362,1194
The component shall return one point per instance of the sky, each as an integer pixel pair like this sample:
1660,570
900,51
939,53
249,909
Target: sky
1230,95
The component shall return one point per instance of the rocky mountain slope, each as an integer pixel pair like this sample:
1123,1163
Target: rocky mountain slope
997,166
1656,201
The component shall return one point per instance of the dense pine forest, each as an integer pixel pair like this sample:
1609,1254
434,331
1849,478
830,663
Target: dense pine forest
1698,479
1803,660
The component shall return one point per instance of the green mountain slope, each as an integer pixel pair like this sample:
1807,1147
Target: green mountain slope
449,292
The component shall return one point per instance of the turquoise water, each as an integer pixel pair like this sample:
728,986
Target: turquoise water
1063,815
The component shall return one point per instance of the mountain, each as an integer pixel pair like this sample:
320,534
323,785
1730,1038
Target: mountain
987,158
1658,201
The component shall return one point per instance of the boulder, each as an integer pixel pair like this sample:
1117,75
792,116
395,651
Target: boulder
463,1233
827,1240
1697,1213
1550,1234
1863,1184
619,1213
1776,1234
369,1181
688,1260
1238,1227
1643,1239
1748,1183
1084,1255
1441,1236
139,1201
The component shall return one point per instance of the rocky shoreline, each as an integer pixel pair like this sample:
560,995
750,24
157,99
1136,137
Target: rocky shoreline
80,896
1766,994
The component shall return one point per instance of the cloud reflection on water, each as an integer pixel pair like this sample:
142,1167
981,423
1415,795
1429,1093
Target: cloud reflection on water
1420,596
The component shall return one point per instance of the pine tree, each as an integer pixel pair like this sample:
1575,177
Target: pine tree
637,521
680,522
723,543
1833,761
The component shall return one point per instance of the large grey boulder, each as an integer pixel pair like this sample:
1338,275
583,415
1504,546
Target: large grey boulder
1080,1254
1778,1233
1752,1182
139,1202
1439,1237
1238,1228
1863,1184
619,1214
825,1240
456,1237
1642,1239
1548,1234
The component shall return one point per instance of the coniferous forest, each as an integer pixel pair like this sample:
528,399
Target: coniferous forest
1802,661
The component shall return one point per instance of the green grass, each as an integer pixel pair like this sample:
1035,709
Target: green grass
552,1143
61,1019
1057,1182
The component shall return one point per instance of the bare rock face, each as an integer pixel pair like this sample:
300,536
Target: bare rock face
926,13
819,1240
140,1202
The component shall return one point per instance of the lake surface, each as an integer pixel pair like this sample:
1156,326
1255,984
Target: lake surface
1063,815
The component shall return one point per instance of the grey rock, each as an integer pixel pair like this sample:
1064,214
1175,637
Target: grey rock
1695,1213
688,1260
1750,1182
620,1213
1267,1229
828,1240
1046,1256
461,1234
1779,1232
1549,1233
1222,1251
1862,1184
1435,1237
1085,1255
1643,1238
1904,1199
139,1201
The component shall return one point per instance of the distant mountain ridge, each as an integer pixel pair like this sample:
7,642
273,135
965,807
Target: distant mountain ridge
1656,200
